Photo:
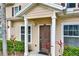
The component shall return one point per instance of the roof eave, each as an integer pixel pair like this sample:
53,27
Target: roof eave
60,8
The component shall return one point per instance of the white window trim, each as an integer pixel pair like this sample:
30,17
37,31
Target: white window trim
30,34
73,7
14,9
62,33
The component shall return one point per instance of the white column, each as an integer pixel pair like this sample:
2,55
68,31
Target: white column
26,36
9,29
53,31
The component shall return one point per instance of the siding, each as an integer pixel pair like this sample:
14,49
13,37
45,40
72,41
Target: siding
39,11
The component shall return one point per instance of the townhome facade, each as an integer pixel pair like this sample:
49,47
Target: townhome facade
44,28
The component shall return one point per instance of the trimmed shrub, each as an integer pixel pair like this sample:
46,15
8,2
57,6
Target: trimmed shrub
0,45
71,51
19,46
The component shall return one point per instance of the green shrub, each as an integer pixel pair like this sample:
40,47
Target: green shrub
0,45
19,46
71,51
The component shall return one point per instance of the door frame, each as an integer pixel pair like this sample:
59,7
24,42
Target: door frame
39,35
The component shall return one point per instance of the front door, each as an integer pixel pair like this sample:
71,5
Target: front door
45,39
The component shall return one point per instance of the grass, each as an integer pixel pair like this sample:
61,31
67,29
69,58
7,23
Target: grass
71,51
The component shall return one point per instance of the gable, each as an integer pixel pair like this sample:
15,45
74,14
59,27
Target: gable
39,11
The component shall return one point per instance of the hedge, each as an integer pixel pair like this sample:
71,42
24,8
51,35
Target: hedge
71,51
19,46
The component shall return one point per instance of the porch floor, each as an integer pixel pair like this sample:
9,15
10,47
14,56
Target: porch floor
35,54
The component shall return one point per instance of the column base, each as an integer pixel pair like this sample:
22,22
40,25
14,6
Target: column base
52,51
25,54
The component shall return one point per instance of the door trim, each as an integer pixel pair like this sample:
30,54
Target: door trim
39,35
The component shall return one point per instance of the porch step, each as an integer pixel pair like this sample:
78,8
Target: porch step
36,54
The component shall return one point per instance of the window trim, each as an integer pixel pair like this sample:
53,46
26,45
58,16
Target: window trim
71,30
73,7
14,9
62,33
68,6
30,34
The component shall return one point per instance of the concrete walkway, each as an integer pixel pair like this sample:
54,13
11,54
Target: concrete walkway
36,54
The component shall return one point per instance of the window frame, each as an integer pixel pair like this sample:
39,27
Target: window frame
28,34
13,9
1,31
72,31
62,31
72,36
71,8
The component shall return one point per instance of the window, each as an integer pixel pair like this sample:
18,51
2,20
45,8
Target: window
12,11
15,10
0,32
71,5
63,4
71,35
78,5
29,33
19,7
23,33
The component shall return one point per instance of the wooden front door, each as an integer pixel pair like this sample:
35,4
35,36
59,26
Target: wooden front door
45,39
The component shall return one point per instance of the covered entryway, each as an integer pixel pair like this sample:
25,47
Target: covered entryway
45,39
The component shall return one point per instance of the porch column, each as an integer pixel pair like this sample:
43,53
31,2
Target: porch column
26,36
53,34
9,29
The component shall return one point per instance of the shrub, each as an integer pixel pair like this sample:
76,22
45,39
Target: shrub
19,46
71,51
